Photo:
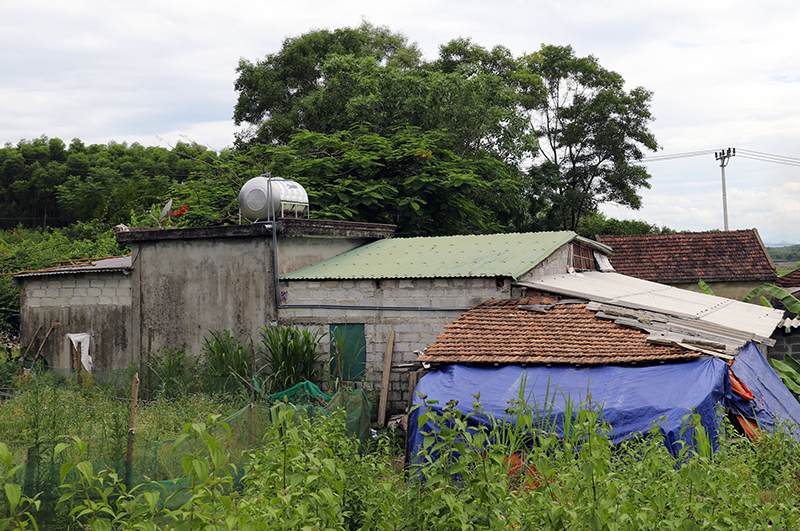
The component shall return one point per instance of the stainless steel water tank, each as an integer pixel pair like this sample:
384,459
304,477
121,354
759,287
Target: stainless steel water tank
289,199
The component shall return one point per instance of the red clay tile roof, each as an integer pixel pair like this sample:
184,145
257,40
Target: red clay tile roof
790,280
500,331
691,256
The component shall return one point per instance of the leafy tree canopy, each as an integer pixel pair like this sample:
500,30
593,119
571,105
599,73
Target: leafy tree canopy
592,132
409,179
596,223
492,105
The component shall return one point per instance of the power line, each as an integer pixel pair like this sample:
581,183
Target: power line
743,153
673,156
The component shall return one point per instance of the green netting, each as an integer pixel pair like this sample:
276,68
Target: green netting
155,462
304,392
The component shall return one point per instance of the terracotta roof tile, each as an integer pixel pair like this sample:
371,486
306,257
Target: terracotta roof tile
503,331
690,256
790,280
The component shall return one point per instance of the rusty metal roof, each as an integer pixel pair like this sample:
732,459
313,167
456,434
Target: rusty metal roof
489,255
726,322
114,263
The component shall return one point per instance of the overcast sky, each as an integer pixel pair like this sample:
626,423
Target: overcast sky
724,74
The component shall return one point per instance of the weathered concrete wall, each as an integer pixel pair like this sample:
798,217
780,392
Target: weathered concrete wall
183,288
188,281
555,264
94,303
296,252
370,302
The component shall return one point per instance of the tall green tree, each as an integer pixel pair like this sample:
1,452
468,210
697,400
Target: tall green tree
274,92
592,132
408,179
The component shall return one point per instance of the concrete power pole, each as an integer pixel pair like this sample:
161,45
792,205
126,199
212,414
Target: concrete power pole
724,157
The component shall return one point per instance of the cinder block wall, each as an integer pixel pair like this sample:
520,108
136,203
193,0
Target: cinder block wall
95,303
78,290
785,344
414,329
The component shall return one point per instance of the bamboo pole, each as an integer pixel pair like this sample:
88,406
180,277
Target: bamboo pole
46,336
131,432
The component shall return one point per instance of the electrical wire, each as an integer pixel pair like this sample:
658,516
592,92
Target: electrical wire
741,153
673,156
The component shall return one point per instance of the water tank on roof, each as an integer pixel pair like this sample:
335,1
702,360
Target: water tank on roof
262,196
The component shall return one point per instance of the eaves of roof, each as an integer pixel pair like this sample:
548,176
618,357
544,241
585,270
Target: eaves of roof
489,255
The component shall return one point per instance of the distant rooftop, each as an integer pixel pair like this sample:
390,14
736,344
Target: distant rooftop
84,265
691,256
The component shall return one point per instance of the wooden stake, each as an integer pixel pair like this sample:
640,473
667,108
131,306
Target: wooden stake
149,354
47,335
76,361
32,340
387,371
131,432
413,378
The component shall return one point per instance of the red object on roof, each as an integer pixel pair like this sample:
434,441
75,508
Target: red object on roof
527,331
691,256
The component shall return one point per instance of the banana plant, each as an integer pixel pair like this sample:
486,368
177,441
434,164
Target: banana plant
789,372
789,301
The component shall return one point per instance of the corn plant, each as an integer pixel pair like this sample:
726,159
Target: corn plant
292,355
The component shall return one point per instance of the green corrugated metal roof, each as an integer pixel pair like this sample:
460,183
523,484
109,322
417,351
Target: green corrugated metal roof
490,255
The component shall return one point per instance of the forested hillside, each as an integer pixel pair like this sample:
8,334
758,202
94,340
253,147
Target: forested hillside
790,253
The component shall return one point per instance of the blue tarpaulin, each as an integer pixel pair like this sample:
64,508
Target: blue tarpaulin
632,398
773,403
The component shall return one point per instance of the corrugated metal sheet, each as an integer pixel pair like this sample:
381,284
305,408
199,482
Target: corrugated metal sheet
117,263
491,255
713,312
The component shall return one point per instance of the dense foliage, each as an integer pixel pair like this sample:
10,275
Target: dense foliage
492,105
308,474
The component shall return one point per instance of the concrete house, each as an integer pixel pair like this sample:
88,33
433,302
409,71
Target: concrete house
174,286
732,263
350,279
394,296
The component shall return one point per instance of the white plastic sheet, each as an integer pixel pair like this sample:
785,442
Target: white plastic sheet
81,343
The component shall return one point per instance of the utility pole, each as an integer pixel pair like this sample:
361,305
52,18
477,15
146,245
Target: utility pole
724,157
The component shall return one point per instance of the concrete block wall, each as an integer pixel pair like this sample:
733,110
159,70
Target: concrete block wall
555,264
101,289
785,344
95,303
398,305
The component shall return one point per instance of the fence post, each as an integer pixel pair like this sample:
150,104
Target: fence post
131,433
149,354
30,471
